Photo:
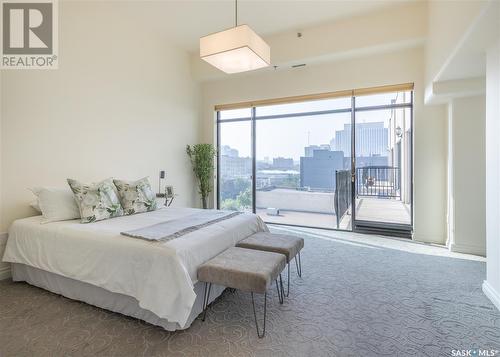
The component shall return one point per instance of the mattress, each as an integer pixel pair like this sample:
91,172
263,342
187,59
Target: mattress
161,277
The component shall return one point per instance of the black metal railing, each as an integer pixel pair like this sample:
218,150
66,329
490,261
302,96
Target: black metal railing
378,181
342,194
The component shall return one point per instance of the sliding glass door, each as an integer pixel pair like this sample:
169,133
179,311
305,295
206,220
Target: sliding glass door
301,163
297,163
383,163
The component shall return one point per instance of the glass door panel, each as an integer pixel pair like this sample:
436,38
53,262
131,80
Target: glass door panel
302,161
235,165
383,189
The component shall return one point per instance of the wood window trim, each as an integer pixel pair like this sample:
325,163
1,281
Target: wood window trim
328,95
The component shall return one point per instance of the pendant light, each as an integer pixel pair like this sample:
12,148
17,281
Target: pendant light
238,49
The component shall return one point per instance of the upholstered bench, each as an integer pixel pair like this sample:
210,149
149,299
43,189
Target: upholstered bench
244,269
288,245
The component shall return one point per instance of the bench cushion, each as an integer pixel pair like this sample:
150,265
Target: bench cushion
277,243
243,269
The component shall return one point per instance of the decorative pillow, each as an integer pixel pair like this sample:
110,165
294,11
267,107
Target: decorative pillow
136,196
96,201
55,204
34,204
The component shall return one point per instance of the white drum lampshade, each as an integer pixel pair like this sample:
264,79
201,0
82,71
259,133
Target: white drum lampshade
238,49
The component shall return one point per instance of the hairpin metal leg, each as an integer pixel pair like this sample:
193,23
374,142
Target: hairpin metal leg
280,291
255,316
298,264
288,287
206,299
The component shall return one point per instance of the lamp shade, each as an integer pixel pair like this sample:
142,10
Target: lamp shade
238,49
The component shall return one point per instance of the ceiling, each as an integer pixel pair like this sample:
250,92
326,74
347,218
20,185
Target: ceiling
184,22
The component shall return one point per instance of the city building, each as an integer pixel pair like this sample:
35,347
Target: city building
282,163
226,150
235,167
232,166
278,178
318,171
309,150
371,139
375,160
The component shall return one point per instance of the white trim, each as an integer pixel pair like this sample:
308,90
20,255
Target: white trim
492,294
428,238
468,249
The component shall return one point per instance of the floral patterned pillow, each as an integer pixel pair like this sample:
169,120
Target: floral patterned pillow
136,196
96,201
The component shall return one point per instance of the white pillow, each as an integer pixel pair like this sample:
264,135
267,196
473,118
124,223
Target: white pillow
56,204
34,204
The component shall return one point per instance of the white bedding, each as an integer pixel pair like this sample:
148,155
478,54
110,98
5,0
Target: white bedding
160,276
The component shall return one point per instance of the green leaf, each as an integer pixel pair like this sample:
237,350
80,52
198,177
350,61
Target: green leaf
202,159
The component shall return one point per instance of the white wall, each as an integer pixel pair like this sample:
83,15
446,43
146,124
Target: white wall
466,189
447,21
389,68
4,267
122,103
491,286
459,35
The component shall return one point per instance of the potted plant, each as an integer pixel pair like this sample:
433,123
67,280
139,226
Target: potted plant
202,158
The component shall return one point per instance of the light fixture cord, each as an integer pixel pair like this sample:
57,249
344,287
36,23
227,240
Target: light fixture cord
235,13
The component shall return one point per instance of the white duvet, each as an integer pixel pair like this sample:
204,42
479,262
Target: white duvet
161,276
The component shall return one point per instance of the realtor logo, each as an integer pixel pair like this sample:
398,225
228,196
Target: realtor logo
29,34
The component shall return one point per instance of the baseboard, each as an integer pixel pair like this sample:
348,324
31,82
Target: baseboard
427,238
492,294
468,249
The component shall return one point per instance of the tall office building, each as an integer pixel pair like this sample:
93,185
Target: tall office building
372,139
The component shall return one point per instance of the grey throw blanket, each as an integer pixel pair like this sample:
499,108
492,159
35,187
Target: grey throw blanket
165,231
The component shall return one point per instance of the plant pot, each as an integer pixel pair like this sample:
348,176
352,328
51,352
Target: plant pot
204,202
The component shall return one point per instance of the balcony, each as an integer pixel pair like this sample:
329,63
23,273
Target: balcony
378,200
379,196
297,207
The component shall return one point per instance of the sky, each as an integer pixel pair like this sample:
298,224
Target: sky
287,137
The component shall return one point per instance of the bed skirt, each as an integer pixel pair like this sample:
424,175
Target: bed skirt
96,296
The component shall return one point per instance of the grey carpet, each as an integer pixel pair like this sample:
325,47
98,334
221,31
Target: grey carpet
353,300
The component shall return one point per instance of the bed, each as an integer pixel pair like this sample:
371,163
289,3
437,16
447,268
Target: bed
94,263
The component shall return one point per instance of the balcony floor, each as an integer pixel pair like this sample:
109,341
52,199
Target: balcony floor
380,210
383,210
